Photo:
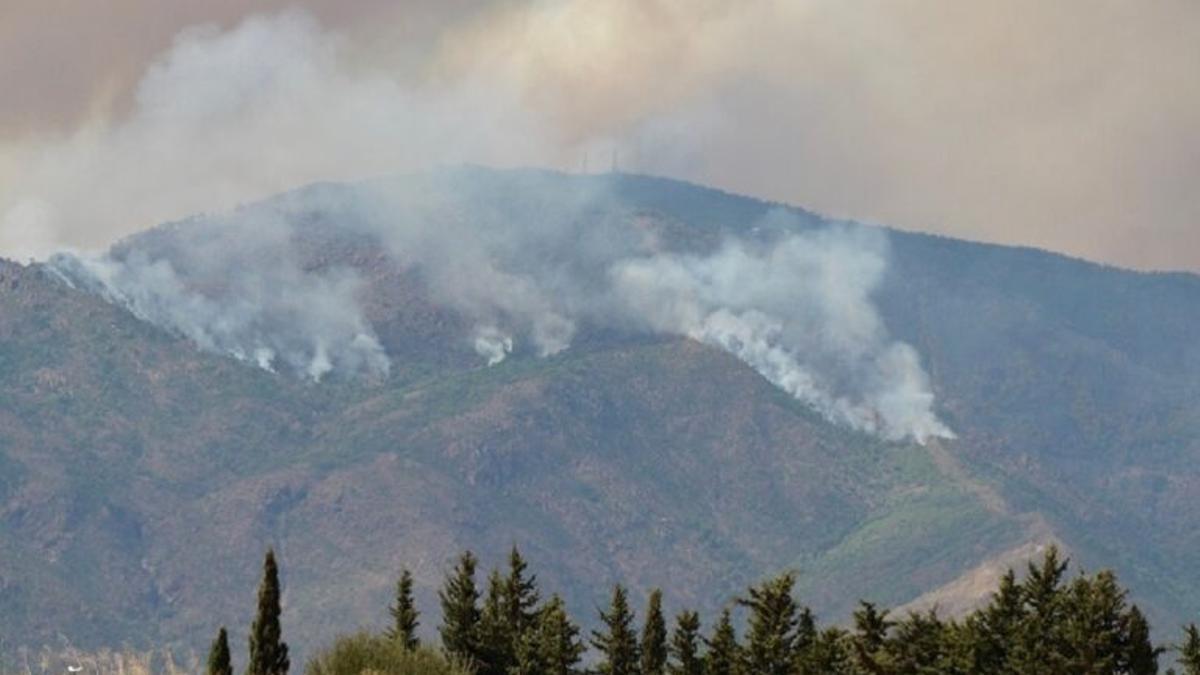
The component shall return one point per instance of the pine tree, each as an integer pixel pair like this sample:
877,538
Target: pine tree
919,645
496,641
871,627
1189,651
685,646
268,652
558,645
828,655
770,641
617,642
219,662
1038,646
460,612
519,596
404,613
654,637
724,655
1140,655
989,634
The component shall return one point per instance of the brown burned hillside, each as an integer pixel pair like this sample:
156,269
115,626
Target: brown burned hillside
140,477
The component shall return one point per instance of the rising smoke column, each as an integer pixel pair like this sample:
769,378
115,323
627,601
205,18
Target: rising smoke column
799,311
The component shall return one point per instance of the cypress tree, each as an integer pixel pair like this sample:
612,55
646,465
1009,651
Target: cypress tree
770,641
1189,651
617,642
724,654
460,612
404,613
654,637
219,662
685,646
268,652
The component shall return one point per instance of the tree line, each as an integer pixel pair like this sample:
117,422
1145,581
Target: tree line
1043,624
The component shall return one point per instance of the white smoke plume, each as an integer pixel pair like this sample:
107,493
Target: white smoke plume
800,313
493,345
234,288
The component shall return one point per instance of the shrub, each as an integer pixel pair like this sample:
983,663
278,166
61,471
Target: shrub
365,652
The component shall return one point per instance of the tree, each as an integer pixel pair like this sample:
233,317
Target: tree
617,642
519,597
919,645
770,641
724,654
219,662
1189,651
1140,655
685,646
268,652
871,627
404,613
828,655
654,637
555,640
496,640
989,634
1037,648
460,611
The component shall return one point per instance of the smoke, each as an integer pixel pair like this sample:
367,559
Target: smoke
233,287
530,264
800,313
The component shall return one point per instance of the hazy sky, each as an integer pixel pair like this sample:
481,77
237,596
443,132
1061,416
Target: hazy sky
1072,125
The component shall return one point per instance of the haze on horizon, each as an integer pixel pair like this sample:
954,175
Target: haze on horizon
1070,126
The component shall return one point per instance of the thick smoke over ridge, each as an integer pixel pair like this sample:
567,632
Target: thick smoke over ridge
529,265
531,260
235,288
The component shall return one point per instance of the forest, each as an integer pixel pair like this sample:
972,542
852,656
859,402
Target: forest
1041,622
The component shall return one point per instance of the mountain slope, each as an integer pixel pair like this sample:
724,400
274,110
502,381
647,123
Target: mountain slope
142,477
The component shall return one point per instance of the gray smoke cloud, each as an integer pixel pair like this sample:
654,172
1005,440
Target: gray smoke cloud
528,276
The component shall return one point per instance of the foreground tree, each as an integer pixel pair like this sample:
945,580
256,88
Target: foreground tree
519,596
770,641
552,646
654,637
497,651
404,613
268,651
219,662
616,641
1189,651
460,612
724,654
685,646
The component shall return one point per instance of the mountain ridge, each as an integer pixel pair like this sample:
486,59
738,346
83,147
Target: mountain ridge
579,456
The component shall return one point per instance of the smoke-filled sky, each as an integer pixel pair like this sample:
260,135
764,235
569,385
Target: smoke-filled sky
1072,125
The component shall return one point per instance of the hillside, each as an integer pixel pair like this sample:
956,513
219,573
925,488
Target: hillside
142,477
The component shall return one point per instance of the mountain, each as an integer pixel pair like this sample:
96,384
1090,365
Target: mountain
160,425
